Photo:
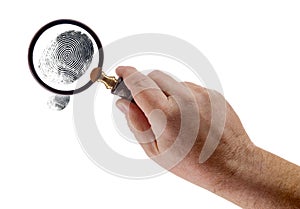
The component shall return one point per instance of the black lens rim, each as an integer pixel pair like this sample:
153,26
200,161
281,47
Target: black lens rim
37,36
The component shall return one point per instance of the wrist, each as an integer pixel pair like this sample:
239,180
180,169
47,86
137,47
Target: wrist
259,179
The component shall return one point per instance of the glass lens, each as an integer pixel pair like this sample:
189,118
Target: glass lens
64,53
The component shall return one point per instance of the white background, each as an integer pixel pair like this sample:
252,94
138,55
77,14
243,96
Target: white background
254,47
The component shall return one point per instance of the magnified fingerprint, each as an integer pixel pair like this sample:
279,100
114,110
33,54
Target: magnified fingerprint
67,58
58,102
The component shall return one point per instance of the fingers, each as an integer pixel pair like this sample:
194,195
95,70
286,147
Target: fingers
145,91
139,126
195,87
167,84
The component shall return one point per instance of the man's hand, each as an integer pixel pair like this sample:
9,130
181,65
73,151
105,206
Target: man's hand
194,133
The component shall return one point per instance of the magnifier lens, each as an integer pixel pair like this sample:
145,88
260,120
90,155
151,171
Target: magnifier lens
66,57
62,52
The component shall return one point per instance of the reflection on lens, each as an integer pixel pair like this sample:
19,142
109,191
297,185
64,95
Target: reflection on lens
58,102
67,57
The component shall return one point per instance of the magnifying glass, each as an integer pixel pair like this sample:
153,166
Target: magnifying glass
66,57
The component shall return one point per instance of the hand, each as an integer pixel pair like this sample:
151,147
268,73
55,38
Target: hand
194,133
172,122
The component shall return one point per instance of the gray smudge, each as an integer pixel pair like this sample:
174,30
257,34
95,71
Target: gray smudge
58,102
67,58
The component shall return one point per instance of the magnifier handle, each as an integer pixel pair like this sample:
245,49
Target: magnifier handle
121,90
117,86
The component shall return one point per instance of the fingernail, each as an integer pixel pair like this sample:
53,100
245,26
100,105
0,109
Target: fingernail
123,107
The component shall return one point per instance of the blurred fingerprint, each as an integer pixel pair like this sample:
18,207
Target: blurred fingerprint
58,102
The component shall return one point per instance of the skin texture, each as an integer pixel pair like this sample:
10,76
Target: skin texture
173,122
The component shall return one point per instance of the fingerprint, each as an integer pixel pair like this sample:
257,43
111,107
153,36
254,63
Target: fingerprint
58,102
67,57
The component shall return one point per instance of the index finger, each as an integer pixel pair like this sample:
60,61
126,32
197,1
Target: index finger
147,95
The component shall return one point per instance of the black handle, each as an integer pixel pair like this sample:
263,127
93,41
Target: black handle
121,90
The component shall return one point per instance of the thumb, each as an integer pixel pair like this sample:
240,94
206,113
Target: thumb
139,126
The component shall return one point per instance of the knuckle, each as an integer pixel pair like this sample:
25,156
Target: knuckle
127,67
214,96
191,85
218,94
130,68
172,110
155,73
139,81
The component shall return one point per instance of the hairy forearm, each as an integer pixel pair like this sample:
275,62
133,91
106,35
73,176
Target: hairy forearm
259,179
